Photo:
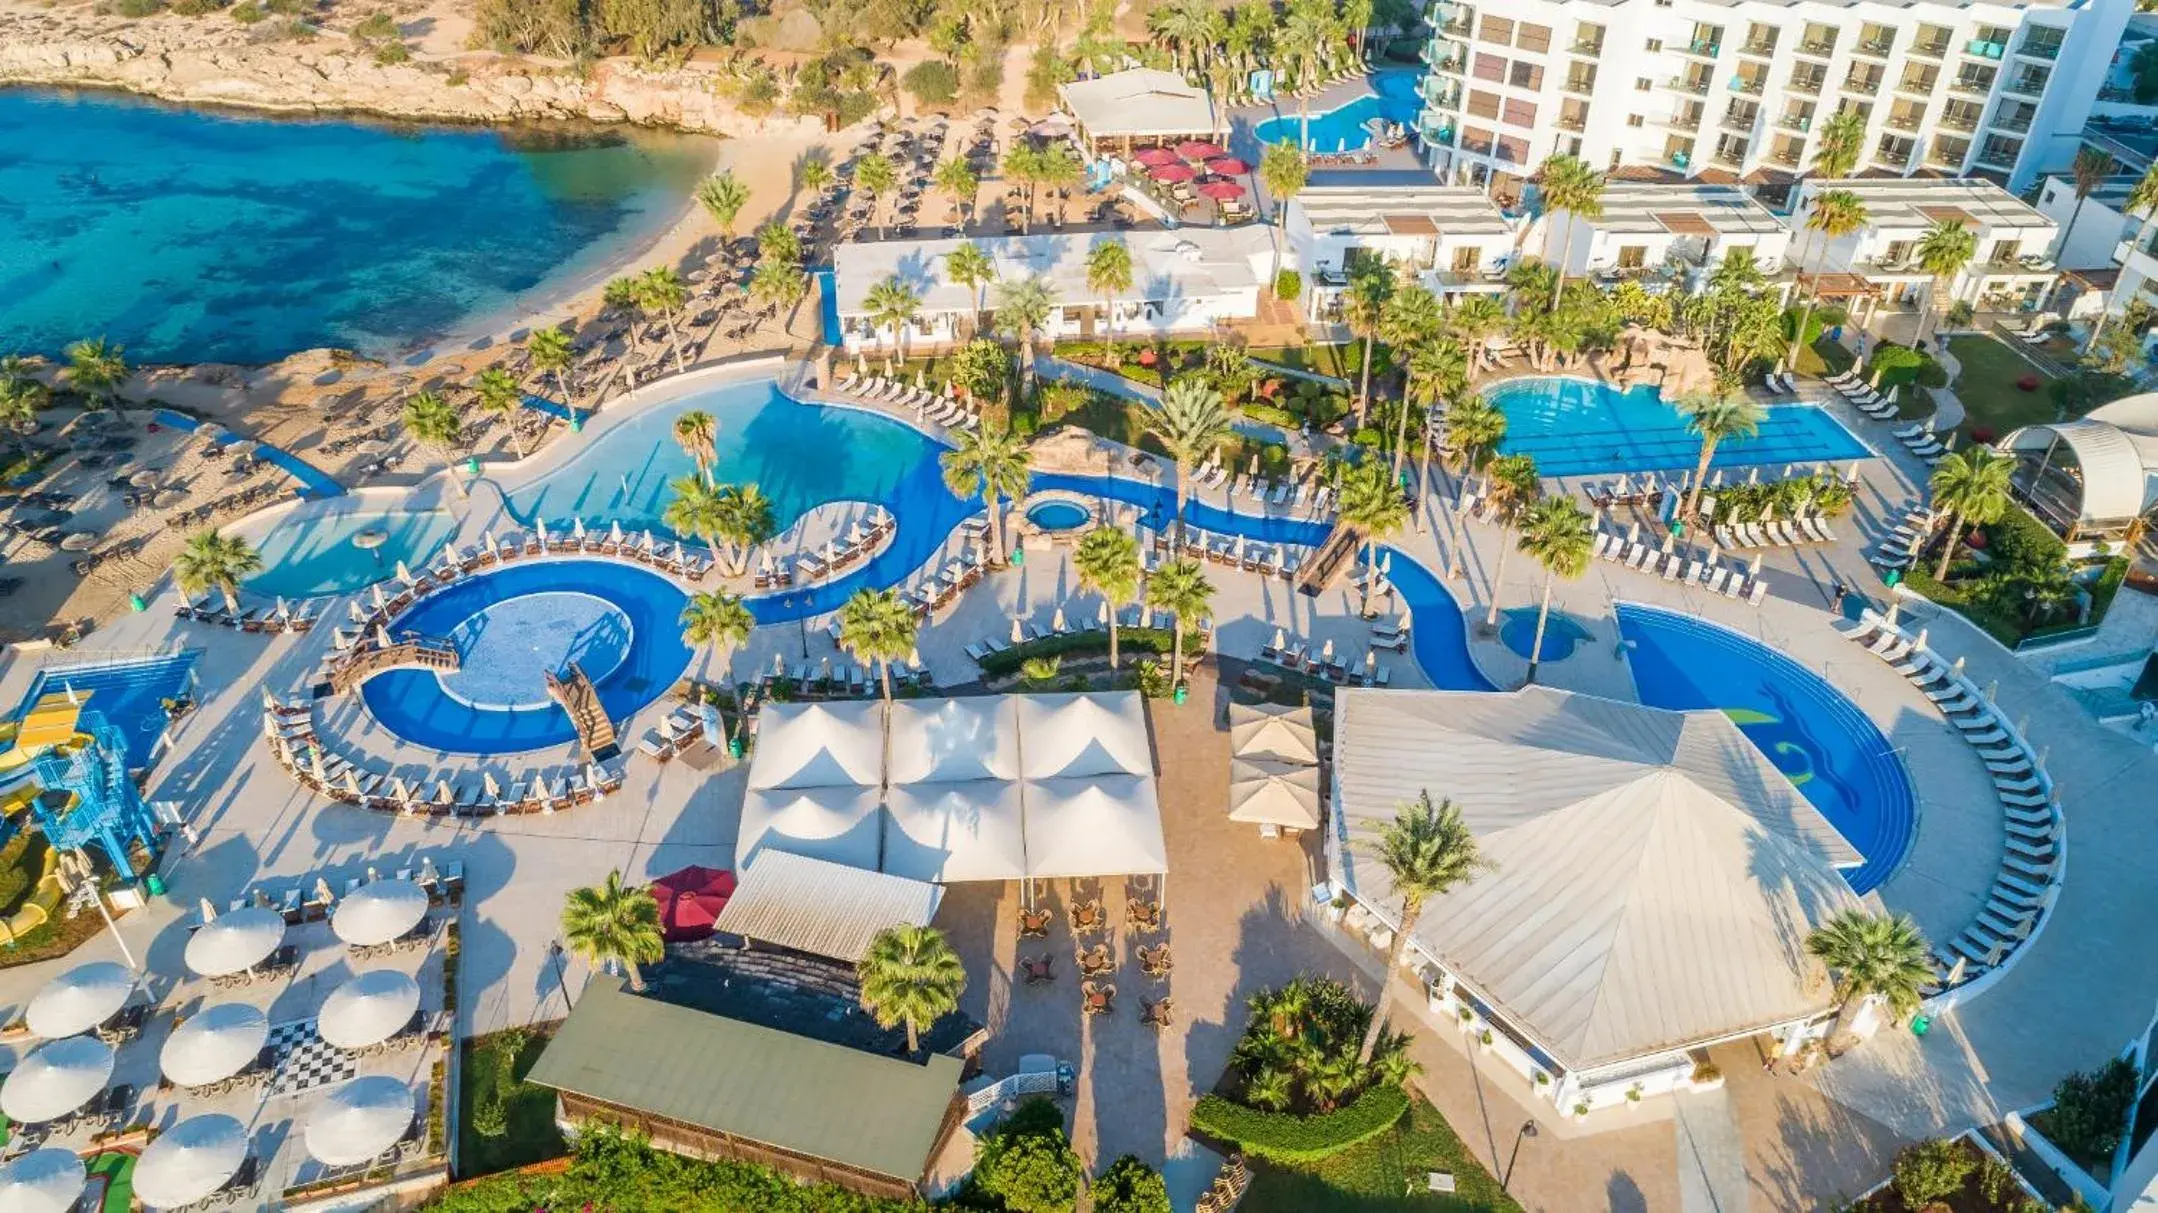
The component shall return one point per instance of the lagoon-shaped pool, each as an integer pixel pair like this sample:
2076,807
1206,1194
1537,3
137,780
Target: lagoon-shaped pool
1342,129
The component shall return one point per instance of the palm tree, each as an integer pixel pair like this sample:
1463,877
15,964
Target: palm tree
723,196
1023,309
612,922
1371,502
1191,423
992,461
957,178
878,626
742,519
1108,274
1511,482
970,267
1573,189
1474,319
910,975
815,175
1557,533
1836,214
875,174
96,368
1943,251
1474,429
696,509
1869,954
551,355
697,434
1363,308
20,400
777,242
1107,561
430,419
1180,587
1972,485
2089,171
1426,851
662,292
1437,369
499,394
215,561
1283,170
716,619
1713,417
1843,138
893,304
781,284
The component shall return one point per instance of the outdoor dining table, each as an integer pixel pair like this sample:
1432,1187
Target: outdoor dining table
1145,914
1156,1013
1087,916
1039,970
1154,962
1034,924
1097,998
1095,961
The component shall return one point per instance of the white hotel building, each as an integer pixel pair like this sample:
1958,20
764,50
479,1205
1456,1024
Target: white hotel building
1738,92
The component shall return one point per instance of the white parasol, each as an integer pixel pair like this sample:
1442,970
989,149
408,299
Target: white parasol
42,1181
368,1009
404,573
1019,635
379,911
58,1078
1056,622
80,999
359,1120
216,1043
239,940
190,1160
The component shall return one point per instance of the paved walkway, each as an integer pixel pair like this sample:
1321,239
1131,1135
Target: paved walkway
1711,1153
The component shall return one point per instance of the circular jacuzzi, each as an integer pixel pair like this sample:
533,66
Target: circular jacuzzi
1057,515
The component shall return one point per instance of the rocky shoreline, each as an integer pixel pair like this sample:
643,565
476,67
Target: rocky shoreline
189,61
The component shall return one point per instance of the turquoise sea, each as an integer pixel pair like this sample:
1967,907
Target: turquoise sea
192,235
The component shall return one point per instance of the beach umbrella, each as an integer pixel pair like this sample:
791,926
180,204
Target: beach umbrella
1326,653
399,789
443,794
58,1078
375,593
1633,533
576,529
1199,149
404,573
214,1044
42,1181
368,1009
595,775
1753,475
779,664
1227,166
78,541
352,782
1056,622
494,546
647,544
487,781
1281,640
1171,172
359,1120
1753,571
540,525
190,1160
1019,635
690,900
283,610
237,941
1222,191
318,766
80,999
1152,156
1670,541
379,911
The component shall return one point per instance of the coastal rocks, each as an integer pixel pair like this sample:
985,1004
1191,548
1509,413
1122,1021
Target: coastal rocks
1643,356
180,59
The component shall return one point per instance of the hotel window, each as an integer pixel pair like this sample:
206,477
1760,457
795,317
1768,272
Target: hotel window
1473,140
1588,39
1525,75
1483,104
1519,113
1632,256
1643,84
1497,30
1633,120
1489,67
1654,45
1468,260
1513,150
1533,38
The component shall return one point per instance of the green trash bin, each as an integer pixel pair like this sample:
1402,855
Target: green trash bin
1182,693
154,885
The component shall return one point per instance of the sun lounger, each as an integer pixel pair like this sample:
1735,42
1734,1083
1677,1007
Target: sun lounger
2033,833
2011,785
2040,868
2008,925
1840,377
1673,566
1980,948
2042,852
2018,885
1716,580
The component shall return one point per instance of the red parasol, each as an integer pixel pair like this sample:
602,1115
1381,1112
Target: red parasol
1227,166
1171,172
1154,155
1222,190
1195,150
690,900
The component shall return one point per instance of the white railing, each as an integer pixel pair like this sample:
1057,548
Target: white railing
1042,1083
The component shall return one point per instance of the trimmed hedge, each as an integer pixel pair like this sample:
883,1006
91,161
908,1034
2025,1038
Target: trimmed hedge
1280,1137
1129,640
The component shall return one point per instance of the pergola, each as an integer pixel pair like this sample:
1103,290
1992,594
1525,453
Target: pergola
2094,477
1143,105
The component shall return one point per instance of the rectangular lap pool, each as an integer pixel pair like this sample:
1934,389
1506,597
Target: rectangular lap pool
1577,427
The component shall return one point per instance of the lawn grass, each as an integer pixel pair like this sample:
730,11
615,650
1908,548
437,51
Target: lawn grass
118,1171
1340,361
1987,387
1378,1176
1824,357
531,1136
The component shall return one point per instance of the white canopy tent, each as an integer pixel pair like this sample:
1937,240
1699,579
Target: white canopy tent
819,745
1141,103
826,909
1272,730
2094,472
1268,792
1077,735
841,824
1108,826
954,740
951,832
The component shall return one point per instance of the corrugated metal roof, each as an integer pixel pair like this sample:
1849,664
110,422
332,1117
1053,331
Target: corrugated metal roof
1374,209
827,1101
826,909
1654,876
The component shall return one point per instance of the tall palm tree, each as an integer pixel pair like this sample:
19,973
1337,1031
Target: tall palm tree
815,175
878,626
661,292
1869,954
1474,429
781,284
716,619
1570,188
433,423
957,178
875,174
1835,214
991,461
1191,423
20,400
551,355
910,975
499,394
613,922
1371,502
1427,850
1437,370
1107,561
1023,309
1713,417
723,195
1284,168
742,519
1180,587
1557,534
2089,171
1841,142
970,267
777,242
1474,319
696,509
215,561
1511,482
698,435
1363,309
1972,485
893,305
96,368
1943,251
1108,274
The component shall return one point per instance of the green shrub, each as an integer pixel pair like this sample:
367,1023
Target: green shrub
139,8
932,82
2090,1110
1269,414
376,25
1130,1186
247,12
22,864
191,8
393,52
1288,286
1931,1170
1894,365
1028,1163
1280,1137
611,1170
1129,640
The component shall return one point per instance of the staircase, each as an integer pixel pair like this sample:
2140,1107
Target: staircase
1327,563
426,654
580,699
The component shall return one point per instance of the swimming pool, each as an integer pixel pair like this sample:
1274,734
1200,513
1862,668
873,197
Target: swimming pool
304,557
512,627
1058,515
1830,750
130,695
1342,129
1578,427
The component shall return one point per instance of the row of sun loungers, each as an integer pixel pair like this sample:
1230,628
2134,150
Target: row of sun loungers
1779,533
1285,495
1780,384
1682,568
1853,387
2031,819
1297,656
1132,616
1902,545
838,555
943,587
876,389
1234,551
280,618
302,753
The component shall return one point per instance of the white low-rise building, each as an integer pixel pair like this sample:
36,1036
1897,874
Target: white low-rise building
1183,282
1452,238
2013,266
1674,233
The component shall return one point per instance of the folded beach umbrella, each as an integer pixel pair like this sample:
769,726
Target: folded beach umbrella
80,999
190,1160
216,1043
